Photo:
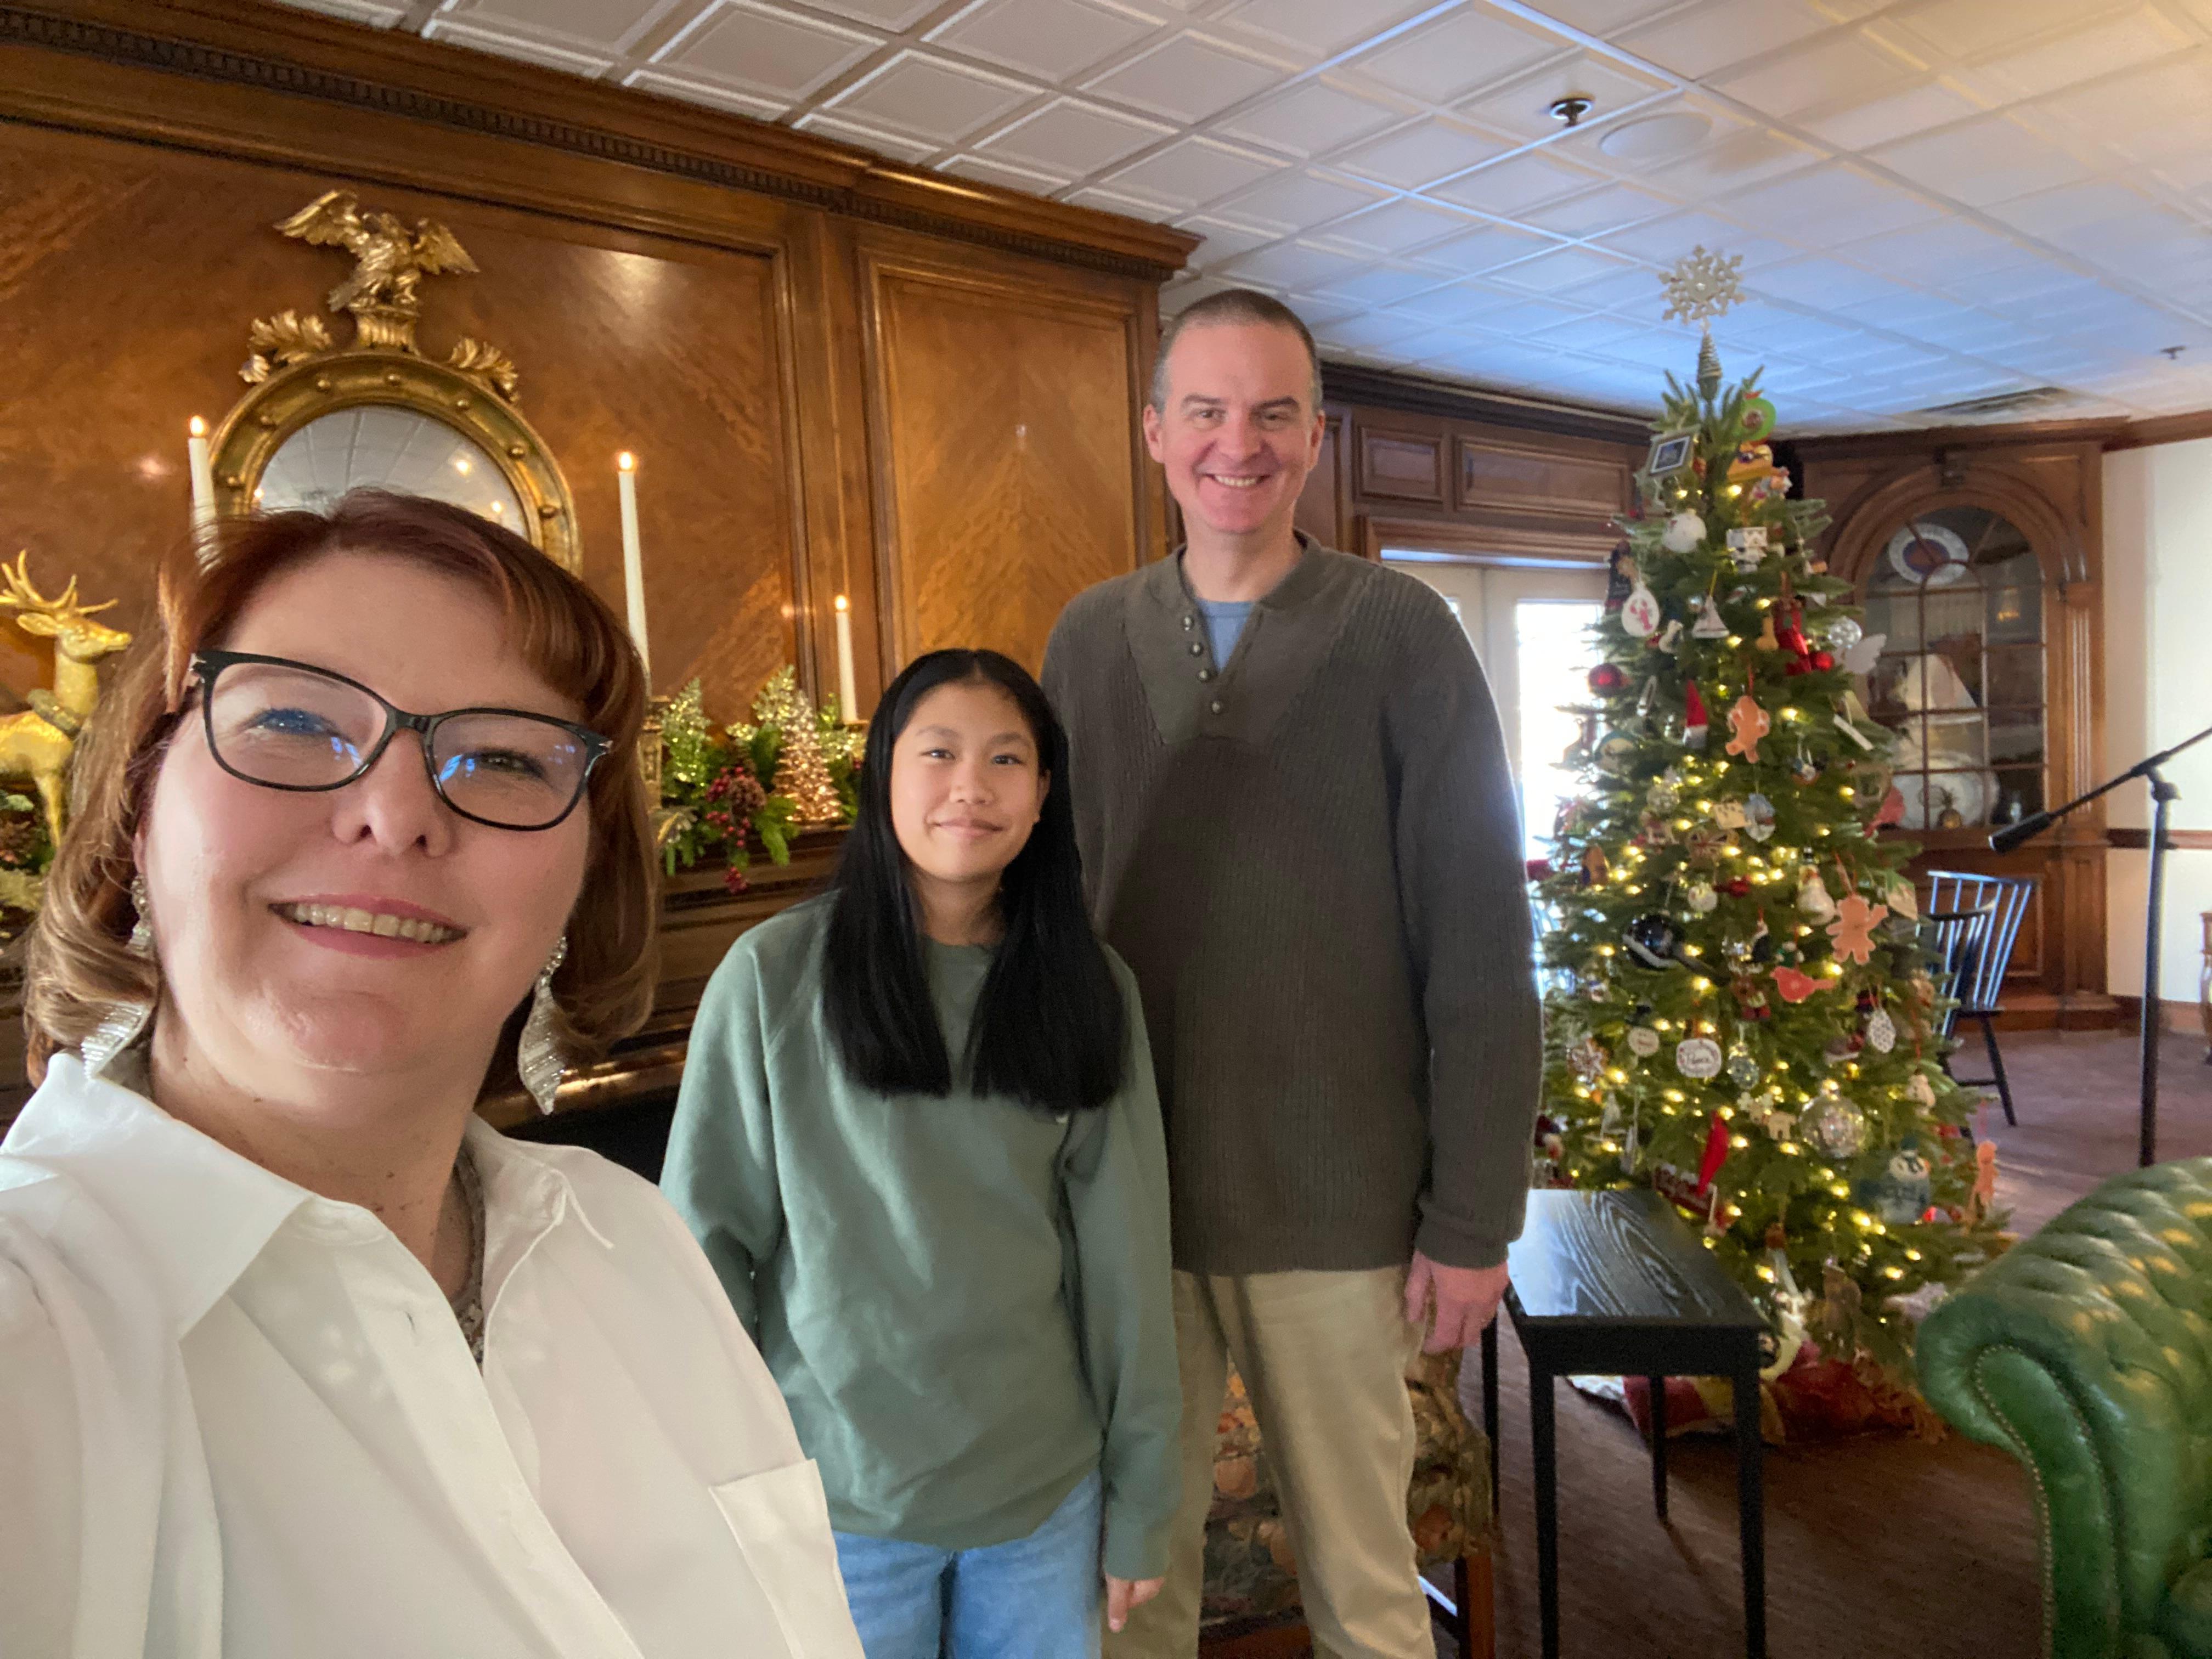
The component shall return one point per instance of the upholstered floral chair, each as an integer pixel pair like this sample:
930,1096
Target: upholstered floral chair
1251,1577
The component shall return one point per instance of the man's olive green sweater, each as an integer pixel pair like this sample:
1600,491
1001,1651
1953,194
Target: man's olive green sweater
1311,855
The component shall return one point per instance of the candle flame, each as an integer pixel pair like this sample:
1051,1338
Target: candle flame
626,461
198,427
843,603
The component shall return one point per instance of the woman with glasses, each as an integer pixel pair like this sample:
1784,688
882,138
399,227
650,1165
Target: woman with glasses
298,1356
919,1139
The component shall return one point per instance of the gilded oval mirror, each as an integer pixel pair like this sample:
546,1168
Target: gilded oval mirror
389,447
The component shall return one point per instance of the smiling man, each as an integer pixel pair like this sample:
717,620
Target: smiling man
1299,828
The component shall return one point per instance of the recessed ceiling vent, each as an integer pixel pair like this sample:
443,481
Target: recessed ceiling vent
2003,405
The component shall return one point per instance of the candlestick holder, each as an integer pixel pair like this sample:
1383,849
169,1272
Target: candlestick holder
668,822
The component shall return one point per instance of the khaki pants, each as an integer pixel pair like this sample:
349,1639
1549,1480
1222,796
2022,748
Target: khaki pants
1323,1356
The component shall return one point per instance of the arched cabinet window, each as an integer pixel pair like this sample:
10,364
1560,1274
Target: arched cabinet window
1979,568
1956,594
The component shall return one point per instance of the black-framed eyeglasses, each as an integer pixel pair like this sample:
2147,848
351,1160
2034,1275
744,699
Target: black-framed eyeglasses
288,724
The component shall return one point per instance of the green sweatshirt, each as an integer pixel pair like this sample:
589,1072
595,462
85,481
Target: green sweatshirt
965,1301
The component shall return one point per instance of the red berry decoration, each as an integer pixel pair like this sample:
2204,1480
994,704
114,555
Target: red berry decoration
1608,678
1823,661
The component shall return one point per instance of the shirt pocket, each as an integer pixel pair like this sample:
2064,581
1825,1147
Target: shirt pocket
780,1520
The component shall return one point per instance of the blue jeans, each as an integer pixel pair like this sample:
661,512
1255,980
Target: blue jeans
1033,1598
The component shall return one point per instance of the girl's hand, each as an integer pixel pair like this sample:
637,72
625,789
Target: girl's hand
1124,1594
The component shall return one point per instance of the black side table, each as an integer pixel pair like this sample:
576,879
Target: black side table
1615,1283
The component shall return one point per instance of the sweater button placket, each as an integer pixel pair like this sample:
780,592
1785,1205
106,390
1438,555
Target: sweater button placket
1217,705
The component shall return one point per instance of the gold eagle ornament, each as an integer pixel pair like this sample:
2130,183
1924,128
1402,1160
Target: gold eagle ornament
390,261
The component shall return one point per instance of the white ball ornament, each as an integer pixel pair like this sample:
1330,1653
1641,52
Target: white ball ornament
1686,531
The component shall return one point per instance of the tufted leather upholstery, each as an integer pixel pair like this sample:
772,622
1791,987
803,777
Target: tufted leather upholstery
2086,1352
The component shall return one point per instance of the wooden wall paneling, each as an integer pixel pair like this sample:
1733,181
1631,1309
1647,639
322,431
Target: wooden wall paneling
677,351
1323,504
1538,475
1009,471
1401,461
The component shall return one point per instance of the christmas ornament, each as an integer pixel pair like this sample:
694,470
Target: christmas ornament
1595,867
1710,624
1860,657
1903,901
1747,546
1804,769
1697,1057
1920,1091
1757,816
1892,809
1983,1198
1880,1031
1608,678
1762,942
1700,285
1700,898
1899,1190
1833,1124
1664,791
1652,942
1616,750
1685,533
1717,1151
1749,723
1736,886
1729,814
1795,986
1841,1048
1812,898
1639,614
1586,1060
1751,1001
1820,662
1643,1042
1742,1068
1620,577
1853,928
1693,717
1752,462
1758,419
1844,633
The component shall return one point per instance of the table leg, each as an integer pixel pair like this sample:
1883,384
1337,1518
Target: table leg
1750,1497
1489,1401
1658,1386
1547,1508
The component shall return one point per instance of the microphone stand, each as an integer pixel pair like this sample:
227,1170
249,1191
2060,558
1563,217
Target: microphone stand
2163,794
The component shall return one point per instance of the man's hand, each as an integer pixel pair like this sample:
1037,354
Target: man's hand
1124,1594
1466,1300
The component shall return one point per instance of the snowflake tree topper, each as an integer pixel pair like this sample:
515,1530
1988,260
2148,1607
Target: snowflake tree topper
1702,285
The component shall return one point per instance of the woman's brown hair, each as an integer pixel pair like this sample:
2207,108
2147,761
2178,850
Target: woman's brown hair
80,963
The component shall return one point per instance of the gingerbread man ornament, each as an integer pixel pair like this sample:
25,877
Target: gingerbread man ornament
1853,928
1749,722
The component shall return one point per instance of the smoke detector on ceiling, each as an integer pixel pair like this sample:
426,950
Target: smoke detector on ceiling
1656,138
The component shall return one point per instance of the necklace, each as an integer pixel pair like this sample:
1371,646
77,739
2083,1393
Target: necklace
468,1301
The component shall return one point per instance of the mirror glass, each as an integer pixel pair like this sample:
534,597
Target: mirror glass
395,447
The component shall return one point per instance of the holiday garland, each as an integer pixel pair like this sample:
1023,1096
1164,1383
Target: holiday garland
761,781
1739,1012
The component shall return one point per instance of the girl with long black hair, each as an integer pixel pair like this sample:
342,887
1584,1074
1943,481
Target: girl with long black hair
918,1137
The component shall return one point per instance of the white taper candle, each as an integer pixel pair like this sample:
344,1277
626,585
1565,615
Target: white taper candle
203,471
633,559
848,699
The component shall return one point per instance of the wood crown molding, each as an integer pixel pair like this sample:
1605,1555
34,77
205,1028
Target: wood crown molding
2177,840
2107,432
1376,388
291,53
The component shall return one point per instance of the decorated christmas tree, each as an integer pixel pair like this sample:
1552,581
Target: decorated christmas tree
1739,1012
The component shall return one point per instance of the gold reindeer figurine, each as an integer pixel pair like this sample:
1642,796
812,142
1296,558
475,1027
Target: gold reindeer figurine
37,743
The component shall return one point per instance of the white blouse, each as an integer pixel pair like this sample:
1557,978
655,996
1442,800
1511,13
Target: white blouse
240,1421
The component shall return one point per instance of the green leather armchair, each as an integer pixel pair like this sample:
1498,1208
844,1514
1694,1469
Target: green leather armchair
2086,1352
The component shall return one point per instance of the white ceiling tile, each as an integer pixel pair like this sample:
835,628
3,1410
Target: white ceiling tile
1431,148
2145,112
1664,241
1604,17
851,132
1946,251
1187,77
1734,159
1632,283
1520,181
1224,239
1484,249
2127,41
1607,208
990,170
1396,226
1455,305
1831,72
1978,162
1110,201
747,104
1719,33
1298,200
602,28
930,97
893,14
1468,48
374,13
2070,208
1379,328
1524,105
1309,119
1897,115
1054,39
1383,285
1559,271
755,48
1070,138
1289,265
505,42
1516,315
1319,27
1966,28
1195,171
1830,204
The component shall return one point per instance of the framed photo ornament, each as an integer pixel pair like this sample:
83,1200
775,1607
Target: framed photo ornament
1670,453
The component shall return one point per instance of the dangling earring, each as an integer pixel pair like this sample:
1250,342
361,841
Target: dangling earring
538,1057
125,1022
